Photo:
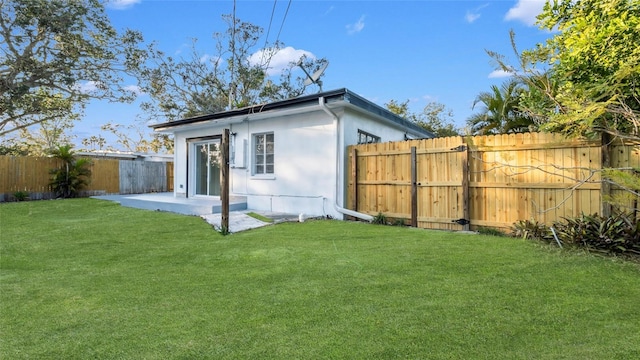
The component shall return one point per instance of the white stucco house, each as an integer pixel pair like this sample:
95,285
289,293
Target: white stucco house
286,156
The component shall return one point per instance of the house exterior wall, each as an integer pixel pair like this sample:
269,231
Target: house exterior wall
305,178
304,169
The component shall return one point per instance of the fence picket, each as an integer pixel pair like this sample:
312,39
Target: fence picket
109,176
531,176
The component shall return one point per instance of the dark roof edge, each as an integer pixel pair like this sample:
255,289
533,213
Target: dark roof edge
329,96
376,109
254,109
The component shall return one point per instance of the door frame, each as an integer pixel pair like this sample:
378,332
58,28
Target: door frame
191,161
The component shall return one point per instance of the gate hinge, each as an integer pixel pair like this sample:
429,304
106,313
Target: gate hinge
461,221
459,148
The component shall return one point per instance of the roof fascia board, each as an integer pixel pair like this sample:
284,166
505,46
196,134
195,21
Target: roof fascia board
242,118
298,105
251,110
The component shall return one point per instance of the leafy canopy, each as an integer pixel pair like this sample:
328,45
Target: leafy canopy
57,54
591,81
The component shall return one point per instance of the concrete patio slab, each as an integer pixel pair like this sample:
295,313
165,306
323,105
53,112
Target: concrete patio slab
207,209
168,202
240,221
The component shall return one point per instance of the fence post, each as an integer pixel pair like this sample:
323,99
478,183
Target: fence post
605,187
224,181
354,179
414,187
466,211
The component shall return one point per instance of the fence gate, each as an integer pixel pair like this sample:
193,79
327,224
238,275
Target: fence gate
423,183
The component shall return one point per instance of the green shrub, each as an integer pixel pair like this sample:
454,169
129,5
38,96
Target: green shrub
21,195
380,219
531,230
617,234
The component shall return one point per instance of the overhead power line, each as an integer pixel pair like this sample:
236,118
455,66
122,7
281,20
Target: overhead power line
283,20
273,10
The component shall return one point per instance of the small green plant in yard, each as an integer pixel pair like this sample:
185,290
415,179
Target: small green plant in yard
380,219
531,230
490,231
21,195
89,279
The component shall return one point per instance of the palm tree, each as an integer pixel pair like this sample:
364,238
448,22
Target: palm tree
501,113
72,175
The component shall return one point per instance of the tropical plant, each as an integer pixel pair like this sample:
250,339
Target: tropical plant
619,233
531,230
73,175
501,112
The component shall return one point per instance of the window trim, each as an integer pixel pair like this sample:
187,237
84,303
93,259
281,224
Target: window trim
369,137
254,154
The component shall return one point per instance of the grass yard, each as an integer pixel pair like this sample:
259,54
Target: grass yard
87,278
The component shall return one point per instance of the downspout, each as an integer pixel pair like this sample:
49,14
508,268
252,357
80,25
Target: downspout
340,209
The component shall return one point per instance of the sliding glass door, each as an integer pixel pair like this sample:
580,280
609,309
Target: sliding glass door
206,168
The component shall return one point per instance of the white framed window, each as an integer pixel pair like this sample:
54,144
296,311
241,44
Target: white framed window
263,154
366,138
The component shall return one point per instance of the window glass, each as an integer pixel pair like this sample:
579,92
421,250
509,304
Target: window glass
264,159
366,138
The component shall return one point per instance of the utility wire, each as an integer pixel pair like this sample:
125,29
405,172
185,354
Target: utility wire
279,31
283,19
266,39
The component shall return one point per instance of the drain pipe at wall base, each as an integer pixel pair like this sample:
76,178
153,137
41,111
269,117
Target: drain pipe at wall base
340,209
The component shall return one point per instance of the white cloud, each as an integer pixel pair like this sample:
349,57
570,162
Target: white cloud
280,60
134,89
121,4
87,87
206,58
498,74
525,11
471,17
356,27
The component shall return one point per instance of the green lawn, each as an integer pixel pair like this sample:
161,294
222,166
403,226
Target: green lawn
86,278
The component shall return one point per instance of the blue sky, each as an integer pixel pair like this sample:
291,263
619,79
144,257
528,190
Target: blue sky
420,50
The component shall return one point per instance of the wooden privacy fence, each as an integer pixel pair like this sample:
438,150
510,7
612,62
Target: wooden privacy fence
458,183
108,176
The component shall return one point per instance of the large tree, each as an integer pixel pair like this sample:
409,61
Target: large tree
39,140
55,55
585,79
237,75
